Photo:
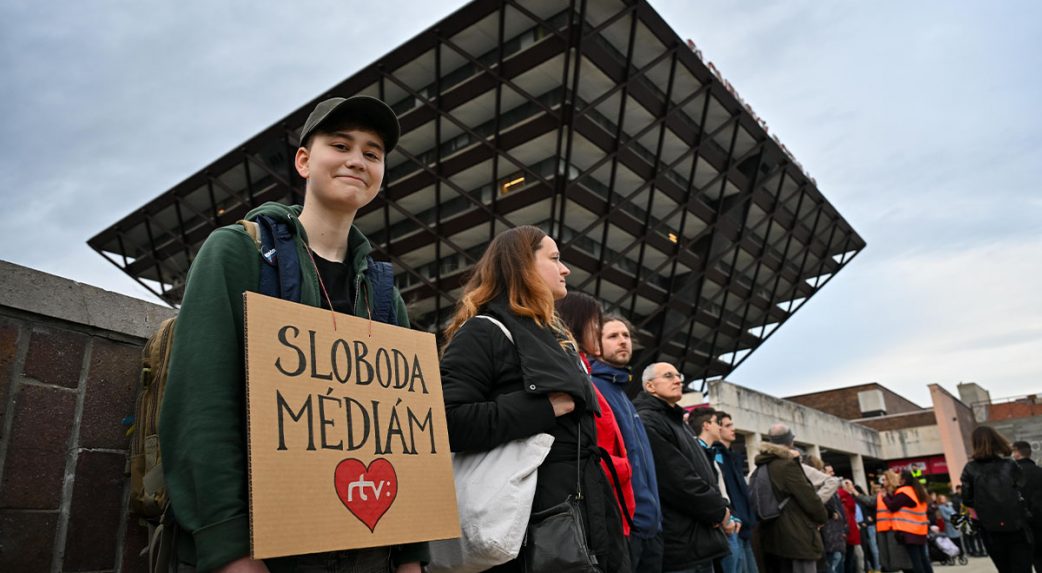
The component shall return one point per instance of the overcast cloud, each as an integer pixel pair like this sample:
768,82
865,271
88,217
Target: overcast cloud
918,120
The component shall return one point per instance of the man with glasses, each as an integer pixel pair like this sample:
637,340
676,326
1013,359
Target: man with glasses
694,514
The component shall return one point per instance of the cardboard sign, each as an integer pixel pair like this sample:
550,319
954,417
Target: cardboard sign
348,445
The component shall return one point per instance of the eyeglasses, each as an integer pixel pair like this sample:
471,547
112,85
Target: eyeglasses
673,376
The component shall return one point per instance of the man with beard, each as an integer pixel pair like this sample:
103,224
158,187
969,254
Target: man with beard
611,374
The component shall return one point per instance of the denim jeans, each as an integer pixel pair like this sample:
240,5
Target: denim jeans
750,556
741,559
873,549
834,562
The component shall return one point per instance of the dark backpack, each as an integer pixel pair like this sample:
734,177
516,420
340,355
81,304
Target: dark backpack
763,501
997,498
834,532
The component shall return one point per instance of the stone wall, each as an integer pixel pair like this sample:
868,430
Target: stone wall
1022,429
70,358
911,443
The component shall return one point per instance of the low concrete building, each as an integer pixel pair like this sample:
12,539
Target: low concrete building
817,432
866,429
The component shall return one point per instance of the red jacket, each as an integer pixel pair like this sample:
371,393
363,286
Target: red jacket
609,437
849,506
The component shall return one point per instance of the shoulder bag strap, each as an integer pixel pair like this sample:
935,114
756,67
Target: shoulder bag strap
495,321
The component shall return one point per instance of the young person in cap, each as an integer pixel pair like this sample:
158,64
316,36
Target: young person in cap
202,424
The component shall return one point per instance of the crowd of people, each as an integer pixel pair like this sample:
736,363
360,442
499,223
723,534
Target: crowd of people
659,488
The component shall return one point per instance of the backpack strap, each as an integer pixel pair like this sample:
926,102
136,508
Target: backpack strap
380,275
253,230
280,273
606,458
162,543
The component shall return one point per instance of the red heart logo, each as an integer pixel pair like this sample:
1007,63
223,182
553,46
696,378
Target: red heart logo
367,492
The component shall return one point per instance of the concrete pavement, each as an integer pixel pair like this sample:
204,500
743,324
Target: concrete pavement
976,565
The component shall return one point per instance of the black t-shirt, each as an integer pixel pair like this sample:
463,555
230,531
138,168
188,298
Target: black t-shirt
339,279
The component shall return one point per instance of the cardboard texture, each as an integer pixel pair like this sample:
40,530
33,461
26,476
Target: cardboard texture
348,445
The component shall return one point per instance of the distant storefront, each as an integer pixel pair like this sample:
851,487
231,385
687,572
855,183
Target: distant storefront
930,466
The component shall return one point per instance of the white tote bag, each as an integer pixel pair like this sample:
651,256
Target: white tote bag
494,492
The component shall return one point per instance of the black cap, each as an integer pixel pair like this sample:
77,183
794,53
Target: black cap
369,110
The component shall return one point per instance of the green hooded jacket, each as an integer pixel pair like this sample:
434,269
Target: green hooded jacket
203,423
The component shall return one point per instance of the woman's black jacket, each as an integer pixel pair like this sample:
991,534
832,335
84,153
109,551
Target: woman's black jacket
496,391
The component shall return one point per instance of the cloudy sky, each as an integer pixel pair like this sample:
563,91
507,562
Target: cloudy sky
918,120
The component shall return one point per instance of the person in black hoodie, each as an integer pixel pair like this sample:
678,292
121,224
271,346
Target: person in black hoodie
1032,495
694,514
992,484
499,388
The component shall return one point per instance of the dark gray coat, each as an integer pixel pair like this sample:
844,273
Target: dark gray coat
794,534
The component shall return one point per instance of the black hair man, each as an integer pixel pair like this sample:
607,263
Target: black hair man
1032,493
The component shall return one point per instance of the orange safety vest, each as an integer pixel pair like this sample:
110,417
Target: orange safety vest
884,521
911,519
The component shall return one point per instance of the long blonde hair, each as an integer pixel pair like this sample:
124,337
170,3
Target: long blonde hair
508,267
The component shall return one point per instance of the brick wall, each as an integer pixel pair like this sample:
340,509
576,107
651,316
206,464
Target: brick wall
69,362
843,402
900,421
1022,408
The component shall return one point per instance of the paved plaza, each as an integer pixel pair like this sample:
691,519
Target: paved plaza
976,565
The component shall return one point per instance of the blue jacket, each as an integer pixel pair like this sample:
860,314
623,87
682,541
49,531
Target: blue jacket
737,488
611,381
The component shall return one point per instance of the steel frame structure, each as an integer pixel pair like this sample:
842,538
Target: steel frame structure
667,197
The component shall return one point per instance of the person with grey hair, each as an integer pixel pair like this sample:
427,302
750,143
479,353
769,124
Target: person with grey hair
694,514
779,433
790,542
